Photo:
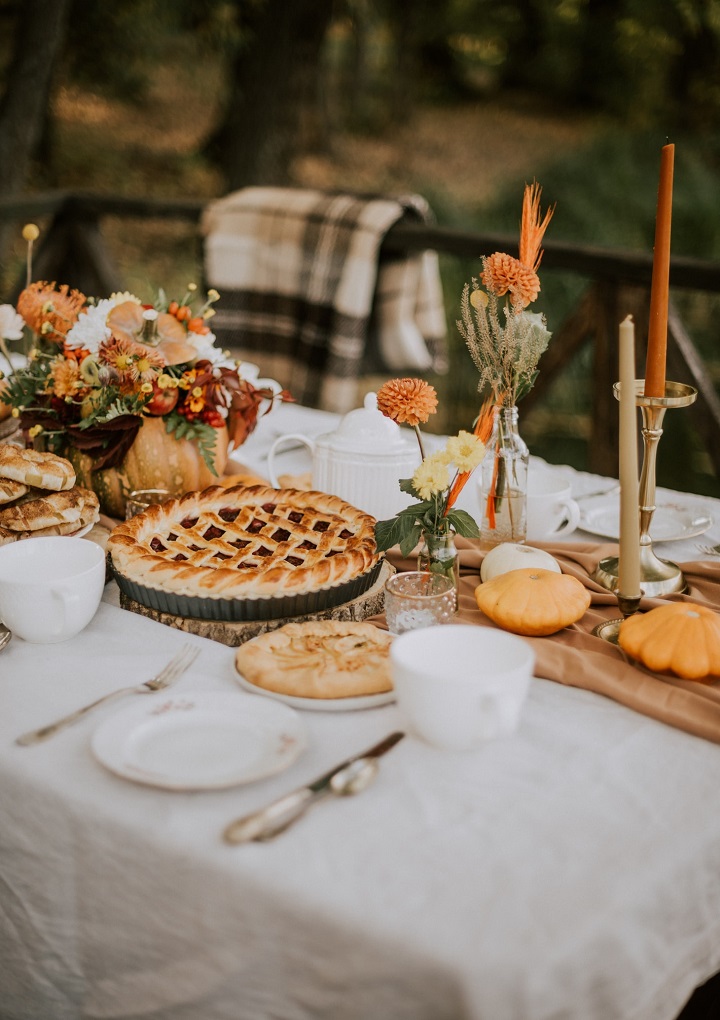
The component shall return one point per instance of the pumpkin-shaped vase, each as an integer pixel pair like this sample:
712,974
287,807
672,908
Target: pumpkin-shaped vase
533,601
156,460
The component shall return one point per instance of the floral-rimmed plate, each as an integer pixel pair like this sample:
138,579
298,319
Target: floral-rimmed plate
199,741
670,523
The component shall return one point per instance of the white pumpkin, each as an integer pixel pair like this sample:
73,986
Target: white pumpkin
512,556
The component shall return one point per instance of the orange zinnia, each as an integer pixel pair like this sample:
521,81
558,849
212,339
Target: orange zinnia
407,400
42,304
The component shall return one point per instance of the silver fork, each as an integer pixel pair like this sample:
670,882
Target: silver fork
709,550
177,665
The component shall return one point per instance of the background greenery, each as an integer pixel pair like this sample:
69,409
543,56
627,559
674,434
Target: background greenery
460,100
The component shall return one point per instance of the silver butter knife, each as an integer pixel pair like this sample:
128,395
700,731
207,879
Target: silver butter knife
348,777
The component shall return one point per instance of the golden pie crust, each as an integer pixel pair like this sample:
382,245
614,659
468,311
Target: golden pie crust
319,659
245,542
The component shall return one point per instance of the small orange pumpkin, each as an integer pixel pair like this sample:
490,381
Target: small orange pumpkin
533,601
680,637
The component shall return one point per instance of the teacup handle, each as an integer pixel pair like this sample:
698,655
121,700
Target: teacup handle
281,441
572,510
62,596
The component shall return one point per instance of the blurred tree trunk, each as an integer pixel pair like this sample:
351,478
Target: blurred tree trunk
39,36
426,67
525,43
273,94
599,76
693,73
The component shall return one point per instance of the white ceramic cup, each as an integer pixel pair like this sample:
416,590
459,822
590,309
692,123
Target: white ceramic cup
551,510
50,588
459,685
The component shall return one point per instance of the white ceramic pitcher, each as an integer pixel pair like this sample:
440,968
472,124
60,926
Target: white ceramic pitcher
362,461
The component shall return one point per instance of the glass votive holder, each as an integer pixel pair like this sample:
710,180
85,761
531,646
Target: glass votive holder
140,499
418,598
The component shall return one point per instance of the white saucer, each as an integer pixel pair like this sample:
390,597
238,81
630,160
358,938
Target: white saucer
321,704
199,741
670,523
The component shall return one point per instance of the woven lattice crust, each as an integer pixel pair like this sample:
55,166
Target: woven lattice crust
245,542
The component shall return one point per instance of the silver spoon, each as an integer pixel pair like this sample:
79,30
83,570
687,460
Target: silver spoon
5,635
268,823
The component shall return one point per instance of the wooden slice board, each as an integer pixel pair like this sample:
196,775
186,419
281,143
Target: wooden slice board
232,633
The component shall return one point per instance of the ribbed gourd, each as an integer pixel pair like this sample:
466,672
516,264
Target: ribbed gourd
680,638
532,601
512,556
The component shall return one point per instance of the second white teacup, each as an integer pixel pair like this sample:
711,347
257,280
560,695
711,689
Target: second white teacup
50,588
457,686
551,510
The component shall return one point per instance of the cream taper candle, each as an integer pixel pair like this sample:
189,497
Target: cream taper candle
660,287
629,558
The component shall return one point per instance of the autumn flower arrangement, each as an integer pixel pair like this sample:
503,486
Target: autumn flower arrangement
97,368
505,340
440,477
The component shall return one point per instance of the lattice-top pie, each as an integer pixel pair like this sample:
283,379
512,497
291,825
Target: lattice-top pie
245,543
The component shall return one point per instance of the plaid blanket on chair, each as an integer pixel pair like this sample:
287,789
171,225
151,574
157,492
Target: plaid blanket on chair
305,293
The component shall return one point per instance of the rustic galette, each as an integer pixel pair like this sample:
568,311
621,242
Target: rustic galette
245,542
319,659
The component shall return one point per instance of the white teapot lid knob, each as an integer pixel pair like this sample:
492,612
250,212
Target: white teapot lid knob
368,430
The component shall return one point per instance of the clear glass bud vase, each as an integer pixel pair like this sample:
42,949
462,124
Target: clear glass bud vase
504,482
438,554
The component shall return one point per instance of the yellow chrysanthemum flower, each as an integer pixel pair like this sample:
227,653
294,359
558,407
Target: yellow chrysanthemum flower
465,450
433,476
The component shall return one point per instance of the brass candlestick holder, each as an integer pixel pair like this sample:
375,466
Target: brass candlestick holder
657,576
610,629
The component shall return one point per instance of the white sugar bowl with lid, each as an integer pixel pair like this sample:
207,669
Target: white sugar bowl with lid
362,461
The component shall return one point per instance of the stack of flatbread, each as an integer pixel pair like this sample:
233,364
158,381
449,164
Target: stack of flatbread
39,497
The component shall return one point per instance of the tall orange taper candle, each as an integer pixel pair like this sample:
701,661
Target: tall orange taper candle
629,558
657,331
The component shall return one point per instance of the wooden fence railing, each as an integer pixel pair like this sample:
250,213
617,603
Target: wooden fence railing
73,250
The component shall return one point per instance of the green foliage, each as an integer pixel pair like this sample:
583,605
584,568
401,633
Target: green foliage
425,516
199,432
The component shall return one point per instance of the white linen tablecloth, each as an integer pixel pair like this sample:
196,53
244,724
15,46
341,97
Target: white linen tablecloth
572,870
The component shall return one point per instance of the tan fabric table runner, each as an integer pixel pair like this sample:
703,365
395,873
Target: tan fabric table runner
577,658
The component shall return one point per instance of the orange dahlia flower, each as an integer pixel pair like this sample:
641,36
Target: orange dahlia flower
50,311
503,274
407,400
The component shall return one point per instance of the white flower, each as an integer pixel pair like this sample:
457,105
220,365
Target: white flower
119,297
201,341
91,330
204,344
11,324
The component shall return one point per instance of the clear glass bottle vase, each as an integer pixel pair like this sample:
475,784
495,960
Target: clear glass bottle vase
504,482
439,555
